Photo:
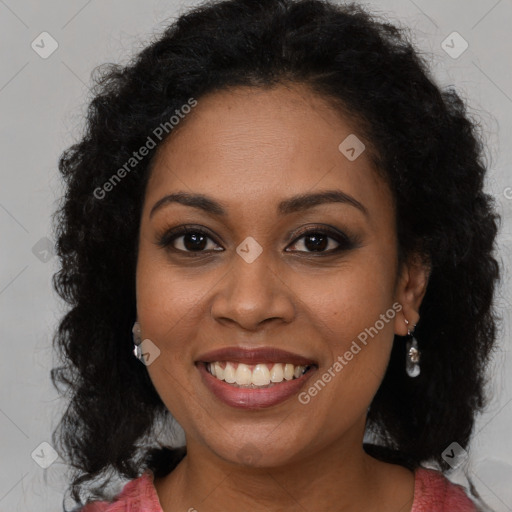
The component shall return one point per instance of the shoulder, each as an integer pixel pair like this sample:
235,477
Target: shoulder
138,495
433,492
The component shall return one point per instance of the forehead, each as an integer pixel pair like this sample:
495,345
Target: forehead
249,147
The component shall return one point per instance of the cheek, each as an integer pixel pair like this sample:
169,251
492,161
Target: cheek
356,322
167,308
353,296
166,295
354,315
165,305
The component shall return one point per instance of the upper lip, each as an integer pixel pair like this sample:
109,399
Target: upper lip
255,355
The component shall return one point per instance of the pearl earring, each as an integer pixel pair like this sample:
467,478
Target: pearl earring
412,355
137,349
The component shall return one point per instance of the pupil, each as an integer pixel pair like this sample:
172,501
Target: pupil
194,237
319,242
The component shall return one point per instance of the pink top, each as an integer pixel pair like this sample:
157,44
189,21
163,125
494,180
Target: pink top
433,492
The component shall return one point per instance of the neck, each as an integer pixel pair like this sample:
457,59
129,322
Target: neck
341,476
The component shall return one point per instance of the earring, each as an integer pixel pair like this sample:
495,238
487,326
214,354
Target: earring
412,354
137,349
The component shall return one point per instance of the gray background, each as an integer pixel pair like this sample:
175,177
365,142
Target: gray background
42,102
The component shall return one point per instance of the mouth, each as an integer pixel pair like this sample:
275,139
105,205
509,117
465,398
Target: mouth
255,378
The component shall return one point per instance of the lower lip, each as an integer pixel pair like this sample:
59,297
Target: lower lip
245,398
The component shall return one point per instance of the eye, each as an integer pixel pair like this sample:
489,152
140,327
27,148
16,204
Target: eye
319,239
187,239
191,239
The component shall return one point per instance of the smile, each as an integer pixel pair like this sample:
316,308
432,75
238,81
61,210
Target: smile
254,396
254,376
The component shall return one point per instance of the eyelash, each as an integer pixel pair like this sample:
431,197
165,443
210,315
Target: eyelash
345,242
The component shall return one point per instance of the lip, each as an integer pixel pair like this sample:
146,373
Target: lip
250,398
255,355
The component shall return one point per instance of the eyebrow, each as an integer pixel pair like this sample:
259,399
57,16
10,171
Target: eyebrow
293,204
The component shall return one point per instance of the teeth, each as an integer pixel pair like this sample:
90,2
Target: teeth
276,373
288,371
218,371
243,375
229,373
259,375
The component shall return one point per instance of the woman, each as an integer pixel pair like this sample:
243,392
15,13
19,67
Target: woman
275,233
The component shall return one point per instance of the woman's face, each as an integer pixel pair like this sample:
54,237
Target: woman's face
256,280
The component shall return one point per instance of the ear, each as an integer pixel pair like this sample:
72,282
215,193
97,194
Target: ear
410,290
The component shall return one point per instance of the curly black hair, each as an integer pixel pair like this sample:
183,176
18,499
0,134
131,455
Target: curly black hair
424,143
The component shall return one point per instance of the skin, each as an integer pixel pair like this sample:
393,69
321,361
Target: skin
268,145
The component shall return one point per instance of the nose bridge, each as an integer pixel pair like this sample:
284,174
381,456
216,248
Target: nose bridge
253,291
253,278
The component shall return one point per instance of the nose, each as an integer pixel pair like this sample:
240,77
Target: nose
251,294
